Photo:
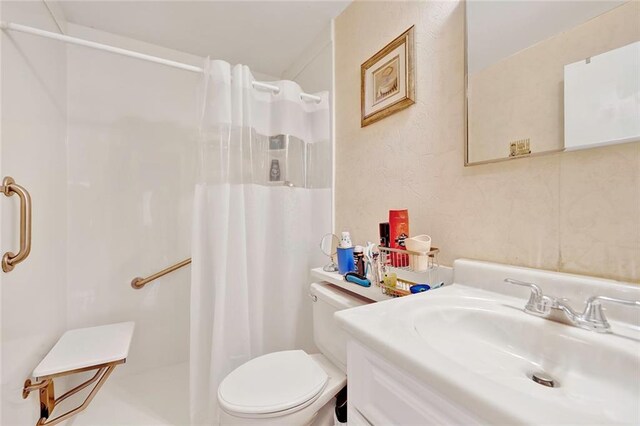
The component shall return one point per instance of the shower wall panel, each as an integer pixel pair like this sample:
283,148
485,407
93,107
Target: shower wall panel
132,169
32,151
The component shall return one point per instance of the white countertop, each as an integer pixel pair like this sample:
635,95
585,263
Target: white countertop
372,293
444,274
474,346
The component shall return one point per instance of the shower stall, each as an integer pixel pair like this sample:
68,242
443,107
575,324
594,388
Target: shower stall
103,131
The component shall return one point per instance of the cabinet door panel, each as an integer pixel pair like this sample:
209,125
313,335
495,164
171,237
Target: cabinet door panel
386,395
355,418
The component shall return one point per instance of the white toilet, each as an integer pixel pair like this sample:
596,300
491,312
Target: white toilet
292,387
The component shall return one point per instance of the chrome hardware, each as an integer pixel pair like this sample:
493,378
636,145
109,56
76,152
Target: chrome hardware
313,297
594,315
542,378
329,246
592,318
538,304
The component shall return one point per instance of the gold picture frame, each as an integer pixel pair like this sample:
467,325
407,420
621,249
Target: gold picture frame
387,80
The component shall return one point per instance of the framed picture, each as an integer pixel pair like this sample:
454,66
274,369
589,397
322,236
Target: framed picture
387,80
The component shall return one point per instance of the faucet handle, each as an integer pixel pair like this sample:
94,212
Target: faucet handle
538,304
594,315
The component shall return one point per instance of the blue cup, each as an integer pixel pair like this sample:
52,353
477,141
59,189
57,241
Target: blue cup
346,262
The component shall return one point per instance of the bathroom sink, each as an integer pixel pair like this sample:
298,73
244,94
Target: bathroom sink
479,348
509,347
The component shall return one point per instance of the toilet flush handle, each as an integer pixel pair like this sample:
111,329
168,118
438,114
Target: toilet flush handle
313,297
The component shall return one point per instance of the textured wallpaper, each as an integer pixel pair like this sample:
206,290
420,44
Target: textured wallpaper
576,212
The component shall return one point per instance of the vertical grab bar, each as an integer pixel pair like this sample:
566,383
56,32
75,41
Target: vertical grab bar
8,188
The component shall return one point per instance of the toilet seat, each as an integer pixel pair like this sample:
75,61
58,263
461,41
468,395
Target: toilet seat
272,385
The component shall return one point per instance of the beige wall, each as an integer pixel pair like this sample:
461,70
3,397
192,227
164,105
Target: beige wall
313,69
521,96
575,212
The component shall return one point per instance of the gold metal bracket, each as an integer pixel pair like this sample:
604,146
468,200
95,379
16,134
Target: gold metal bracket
48,401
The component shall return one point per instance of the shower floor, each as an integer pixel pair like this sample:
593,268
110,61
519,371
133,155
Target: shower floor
159,397
154,398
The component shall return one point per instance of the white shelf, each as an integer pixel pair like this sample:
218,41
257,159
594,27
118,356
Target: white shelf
87,347
373,293
443,274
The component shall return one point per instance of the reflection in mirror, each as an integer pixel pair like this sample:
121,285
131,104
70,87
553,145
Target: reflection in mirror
544,76
329,246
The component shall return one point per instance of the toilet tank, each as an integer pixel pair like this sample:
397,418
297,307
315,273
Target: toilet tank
327,334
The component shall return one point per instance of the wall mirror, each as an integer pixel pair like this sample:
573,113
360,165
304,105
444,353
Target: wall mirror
548,76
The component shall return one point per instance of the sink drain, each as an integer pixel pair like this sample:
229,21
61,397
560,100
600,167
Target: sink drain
542,378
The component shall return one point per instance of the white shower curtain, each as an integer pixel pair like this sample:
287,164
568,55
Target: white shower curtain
260,210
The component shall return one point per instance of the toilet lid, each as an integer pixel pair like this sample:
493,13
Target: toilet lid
274,382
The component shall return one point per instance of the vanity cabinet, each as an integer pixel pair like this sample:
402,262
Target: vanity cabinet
456,355
382,394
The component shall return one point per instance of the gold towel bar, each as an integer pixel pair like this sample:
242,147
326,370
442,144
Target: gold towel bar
8,188
139,282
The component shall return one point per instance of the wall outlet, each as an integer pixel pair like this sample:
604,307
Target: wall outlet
519,147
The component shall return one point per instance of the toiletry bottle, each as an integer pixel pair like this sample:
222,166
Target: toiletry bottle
274,173
391,280
346,262
383,228
358,257
345,240
398,232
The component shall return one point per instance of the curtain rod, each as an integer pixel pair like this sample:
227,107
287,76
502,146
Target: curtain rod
133,54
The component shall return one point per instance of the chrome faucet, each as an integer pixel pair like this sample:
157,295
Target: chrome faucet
538,303
592,318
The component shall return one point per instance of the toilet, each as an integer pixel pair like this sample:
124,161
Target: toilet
293,387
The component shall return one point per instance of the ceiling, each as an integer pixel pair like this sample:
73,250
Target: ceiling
266,35
498,29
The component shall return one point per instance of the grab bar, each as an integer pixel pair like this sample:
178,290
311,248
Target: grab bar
139,282
8,188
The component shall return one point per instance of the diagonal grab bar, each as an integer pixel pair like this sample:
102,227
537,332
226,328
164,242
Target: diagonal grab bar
139,282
